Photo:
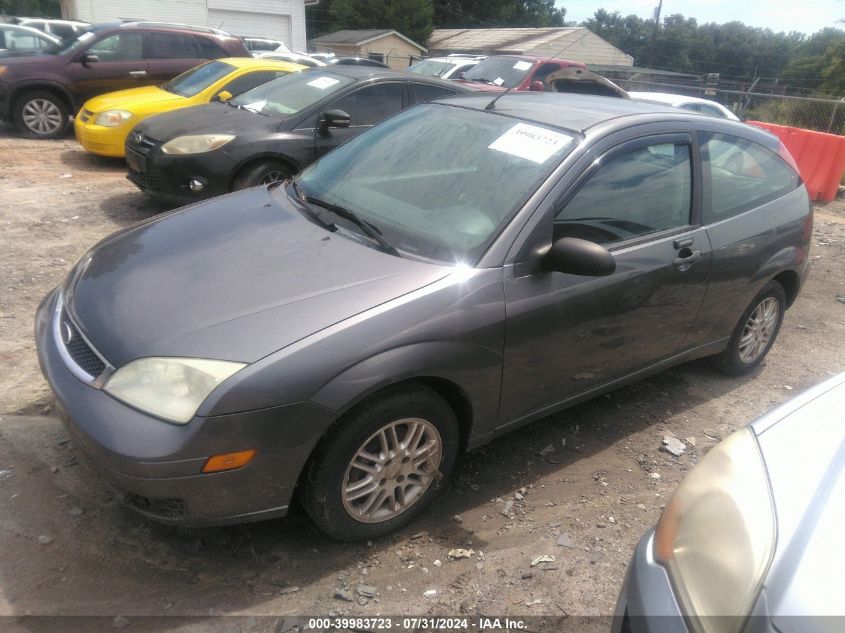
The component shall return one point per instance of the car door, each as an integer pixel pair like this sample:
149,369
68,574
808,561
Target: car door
570,334
366,106
112,62
170,54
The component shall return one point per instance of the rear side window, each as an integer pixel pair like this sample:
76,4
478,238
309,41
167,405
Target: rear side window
211,49
643,191
740,175
172,46
427,92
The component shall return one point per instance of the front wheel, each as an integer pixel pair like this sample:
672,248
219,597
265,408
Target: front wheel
41,114
264,172
755,333
382,465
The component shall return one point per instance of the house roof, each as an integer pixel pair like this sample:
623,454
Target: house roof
359,37
518,40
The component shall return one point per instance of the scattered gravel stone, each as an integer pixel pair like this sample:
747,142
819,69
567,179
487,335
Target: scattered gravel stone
654,475
507,509
564,540
596,556
543,558
45,540
75,511
343,594
459,553
430,592
673,445
119,622
368,591
458,519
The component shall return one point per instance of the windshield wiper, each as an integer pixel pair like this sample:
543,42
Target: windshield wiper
370,229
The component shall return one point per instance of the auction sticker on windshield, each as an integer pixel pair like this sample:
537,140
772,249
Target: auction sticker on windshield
323,82
531,142
522,65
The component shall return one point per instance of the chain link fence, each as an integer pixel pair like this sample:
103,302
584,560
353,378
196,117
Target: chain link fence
808,112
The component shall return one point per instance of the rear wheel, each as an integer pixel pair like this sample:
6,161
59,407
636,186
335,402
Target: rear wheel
382,465
261,173
755,333
41,114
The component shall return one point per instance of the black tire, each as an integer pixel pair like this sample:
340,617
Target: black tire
53,123
325,479
261,173
730,361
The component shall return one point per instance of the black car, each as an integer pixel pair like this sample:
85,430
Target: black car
268,133
356,61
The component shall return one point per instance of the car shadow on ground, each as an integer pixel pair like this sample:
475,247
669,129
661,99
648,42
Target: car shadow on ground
223,570
131,207
78,158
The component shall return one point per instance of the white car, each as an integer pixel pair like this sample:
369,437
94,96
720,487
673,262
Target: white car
62,29
15,39
449,67
694,104
294,58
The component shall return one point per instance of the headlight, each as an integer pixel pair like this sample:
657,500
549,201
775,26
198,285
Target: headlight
196,144
717,535
112,118
170,388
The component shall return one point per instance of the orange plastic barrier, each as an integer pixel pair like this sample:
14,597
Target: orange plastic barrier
820,157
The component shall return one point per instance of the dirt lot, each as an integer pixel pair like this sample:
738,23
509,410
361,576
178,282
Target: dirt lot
67,547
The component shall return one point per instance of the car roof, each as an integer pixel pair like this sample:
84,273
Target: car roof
665,97
362,73
578,113
28,29
260,62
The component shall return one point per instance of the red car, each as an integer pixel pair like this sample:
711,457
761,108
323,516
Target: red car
518,72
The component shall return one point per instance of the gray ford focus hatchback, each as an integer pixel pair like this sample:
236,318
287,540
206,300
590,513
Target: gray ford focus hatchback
461,269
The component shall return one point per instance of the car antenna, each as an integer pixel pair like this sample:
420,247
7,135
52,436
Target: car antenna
492,104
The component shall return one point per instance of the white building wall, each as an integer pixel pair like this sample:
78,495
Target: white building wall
583,46
248,17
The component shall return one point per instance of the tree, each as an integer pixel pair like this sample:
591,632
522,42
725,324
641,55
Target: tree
476,14
31,8
412,18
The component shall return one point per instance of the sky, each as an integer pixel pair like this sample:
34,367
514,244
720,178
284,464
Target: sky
807,16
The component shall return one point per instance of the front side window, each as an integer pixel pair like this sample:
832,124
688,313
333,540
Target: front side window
292,93
372,104
507,72
120,47
431,68
440,182
427,92
251,80
173,46
636,193
740,175
197,79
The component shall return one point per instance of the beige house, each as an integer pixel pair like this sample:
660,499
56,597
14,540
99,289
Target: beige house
383,45
576,43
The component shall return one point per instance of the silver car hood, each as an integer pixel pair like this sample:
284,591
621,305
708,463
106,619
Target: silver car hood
803,445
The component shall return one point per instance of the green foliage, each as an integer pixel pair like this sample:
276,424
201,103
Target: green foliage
31,8
492,13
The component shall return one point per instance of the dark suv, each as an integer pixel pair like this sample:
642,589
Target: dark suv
39,93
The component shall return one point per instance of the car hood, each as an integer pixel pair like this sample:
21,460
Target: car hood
235,278
131,98
804,452
211,118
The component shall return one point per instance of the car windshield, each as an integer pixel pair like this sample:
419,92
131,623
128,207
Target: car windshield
72,43
507,72
292,93
197,79
431,68
440,182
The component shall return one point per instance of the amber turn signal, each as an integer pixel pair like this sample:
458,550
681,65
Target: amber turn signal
228,461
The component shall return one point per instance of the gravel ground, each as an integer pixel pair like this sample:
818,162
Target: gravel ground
589,474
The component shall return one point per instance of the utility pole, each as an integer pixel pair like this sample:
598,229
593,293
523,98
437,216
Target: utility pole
657,11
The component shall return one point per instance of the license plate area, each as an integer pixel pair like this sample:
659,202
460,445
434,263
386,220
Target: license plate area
136,162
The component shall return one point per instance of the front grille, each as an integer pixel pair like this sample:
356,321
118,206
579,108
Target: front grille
78,349
152,179
170,509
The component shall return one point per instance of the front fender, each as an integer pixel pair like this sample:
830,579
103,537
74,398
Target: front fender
476,371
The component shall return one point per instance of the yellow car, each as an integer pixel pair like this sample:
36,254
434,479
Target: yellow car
104,122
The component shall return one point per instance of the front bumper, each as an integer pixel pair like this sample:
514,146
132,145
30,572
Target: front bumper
104,141
157,466
168,176
5,105
647,601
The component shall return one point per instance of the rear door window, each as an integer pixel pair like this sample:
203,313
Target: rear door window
172,46
428,92
740,175
632,194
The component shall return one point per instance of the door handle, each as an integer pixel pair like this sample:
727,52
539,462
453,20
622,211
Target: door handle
686,257
138,73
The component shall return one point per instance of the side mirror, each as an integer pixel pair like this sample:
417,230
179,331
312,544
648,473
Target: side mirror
334,118
223,96
579,257
538,86
89,58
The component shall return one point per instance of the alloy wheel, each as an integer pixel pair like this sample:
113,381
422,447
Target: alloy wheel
758,330
42,116
272,176
392,470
